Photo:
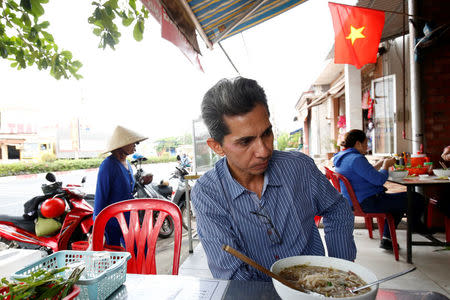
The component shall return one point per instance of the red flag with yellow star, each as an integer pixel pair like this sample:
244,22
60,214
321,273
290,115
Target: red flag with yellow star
357,33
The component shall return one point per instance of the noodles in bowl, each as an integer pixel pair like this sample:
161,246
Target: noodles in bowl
326,277
323,280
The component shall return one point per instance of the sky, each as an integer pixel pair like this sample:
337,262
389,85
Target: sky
150,87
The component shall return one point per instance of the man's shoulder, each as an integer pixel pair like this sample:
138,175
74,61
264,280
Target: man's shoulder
208,181
290,157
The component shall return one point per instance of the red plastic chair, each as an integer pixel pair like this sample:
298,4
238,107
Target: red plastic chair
357,210
141,261
368,221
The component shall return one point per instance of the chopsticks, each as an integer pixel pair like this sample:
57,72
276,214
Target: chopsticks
443,165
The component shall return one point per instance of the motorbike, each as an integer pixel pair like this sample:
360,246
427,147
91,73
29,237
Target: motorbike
161,191
75,221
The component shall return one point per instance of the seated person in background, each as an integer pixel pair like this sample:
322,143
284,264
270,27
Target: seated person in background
367,182
260,201
446,153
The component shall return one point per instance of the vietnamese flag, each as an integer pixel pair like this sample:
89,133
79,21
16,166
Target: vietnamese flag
357,34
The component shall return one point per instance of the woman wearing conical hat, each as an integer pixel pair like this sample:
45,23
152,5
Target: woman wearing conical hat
115,181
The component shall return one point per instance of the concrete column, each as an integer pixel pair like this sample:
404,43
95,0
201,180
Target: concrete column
416,117
353,109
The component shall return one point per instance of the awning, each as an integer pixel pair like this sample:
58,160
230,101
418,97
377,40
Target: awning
393,24
216,20
295,131
222,19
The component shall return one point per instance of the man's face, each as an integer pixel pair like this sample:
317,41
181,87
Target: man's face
249,145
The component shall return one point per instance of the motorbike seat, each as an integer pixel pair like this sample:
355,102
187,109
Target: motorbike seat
19,221
164,190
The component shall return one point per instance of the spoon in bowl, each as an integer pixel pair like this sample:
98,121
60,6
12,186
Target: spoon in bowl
381,280
269,273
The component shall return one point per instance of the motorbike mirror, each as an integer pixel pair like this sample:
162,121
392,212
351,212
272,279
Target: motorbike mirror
50,177
83,180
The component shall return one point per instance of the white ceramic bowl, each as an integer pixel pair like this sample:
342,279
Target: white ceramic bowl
286,293
441,172
398,174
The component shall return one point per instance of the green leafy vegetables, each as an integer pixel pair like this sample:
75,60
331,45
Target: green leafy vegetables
41,284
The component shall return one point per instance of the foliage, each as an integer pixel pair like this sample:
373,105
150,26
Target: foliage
21,168
282,141
173,142
48,157
294,140
104,20
25,41
41,284
285,140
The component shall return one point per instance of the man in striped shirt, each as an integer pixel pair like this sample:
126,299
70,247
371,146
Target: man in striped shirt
260,201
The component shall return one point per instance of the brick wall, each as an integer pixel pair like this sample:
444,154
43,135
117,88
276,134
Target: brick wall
435,75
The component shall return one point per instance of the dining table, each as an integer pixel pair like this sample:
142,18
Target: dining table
411,183
180,287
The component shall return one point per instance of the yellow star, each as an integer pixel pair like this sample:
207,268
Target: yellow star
355,34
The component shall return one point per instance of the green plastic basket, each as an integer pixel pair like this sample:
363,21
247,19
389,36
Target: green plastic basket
98,280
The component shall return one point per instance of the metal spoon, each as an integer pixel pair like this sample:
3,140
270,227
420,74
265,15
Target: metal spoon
381,280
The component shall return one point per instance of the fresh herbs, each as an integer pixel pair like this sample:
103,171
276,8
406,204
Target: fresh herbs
41,284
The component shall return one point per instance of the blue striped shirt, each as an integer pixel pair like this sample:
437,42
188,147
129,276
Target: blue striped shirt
294,192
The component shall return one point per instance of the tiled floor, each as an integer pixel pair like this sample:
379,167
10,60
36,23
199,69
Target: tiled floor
433,263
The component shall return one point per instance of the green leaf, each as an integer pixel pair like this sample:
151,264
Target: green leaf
17,21
127,21
138,31
44,24
3,51
26,19
26,4
47,36
97,31
97,13
112,4
67,54
36,8
132,3
109,40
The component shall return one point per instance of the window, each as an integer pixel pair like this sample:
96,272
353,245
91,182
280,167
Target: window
384,133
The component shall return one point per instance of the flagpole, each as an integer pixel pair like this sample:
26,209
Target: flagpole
387,11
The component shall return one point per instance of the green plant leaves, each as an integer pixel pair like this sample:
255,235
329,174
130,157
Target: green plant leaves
30,43
138,30
104,18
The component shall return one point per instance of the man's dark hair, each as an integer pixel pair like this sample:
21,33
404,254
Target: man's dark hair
230,97
353,136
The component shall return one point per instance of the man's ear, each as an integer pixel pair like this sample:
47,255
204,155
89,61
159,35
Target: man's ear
215,146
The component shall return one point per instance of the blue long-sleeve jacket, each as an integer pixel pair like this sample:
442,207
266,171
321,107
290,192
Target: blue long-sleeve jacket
364,178
114,183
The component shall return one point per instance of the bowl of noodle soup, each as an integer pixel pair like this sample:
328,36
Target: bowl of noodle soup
327,277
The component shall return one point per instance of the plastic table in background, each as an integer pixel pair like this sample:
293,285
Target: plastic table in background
410,184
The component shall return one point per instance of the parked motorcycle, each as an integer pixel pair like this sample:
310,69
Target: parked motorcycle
161,191
75,218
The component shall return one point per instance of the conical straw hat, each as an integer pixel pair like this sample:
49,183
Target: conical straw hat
122,137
